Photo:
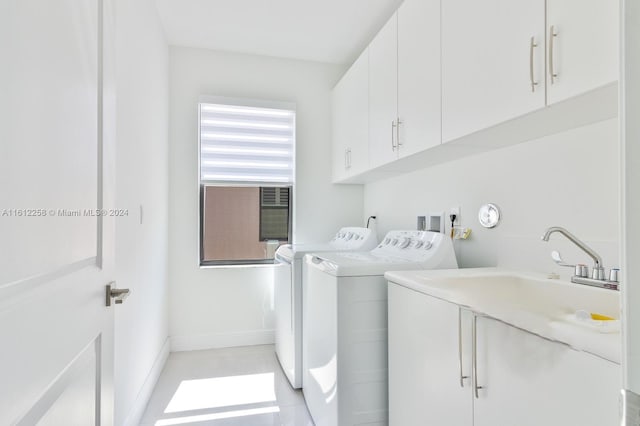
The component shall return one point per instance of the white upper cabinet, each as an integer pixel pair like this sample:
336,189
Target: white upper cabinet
492,51
418,76
584,50
404,83
500,59
383,94
350,108
440,71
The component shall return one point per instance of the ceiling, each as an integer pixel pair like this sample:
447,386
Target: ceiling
333,31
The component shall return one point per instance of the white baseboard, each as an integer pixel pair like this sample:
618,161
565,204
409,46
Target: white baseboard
135,415
222,340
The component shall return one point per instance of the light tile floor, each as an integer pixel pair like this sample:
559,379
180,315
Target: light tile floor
225,387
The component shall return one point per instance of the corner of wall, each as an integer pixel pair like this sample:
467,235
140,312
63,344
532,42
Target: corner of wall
137,411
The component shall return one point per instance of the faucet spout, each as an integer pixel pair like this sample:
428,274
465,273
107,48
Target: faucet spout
597,260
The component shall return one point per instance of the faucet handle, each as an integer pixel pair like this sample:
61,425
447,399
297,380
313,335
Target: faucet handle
555,255
614,275
598,273
582,270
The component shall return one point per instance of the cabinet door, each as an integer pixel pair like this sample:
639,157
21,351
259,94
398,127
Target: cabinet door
585,48
424,366
383,94
339,128
486,62
350,109
530,381
418,75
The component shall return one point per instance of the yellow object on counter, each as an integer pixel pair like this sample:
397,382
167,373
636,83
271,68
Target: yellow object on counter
600,317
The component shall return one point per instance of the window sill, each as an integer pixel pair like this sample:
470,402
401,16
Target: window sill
241,266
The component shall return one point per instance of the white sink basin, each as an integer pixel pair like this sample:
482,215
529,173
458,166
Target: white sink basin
532,302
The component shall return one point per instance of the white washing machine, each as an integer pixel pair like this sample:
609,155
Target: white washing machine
345,324
288,293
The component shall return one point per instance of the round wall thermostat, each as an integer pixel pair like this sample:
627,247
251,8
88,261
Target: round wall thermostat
489,215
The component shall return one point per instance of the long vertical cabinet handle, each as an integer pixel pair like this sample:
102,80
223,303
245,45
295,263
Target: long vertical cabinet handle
393,132
398,143
532,46
552,35
346,158
462,376
349,157
474,355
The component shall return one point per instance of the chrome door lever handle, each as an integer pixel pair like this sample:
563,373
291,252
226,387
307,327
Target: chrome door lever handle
117,294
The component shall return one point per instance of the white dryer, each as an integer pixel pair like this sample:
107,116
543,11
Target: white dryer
345,324
288,293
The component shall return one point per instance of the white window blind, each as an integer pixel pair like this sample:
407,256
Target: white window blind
246,144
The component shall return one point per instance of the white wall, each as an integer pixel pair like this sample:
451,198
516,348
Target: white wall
569,179
229,306
142,180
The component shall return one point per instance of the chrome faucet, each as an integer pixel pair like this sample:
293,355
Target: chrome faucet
581,275
597,260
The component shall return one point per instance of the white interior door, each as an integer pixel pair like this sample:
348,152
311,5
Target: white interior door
56,146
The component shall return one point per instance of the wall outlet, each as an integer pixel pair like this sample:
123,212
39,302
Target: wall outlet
456,211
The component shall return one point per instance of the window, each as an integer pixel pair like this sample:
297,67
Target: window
246,179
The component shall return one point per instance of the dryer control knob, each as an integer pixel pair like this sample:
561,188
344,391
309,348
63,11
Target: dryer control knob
405,243
427,245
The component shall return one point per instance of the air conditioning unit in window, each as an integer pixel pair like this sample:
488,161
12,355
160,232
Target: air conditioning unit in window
275,197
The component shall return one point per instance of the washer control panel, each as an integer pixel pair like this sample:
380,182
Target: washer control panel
354,238
410,245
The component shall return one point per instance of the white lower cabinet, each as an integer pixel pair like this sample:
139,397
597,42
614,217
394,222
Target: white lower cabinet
530,381
424,366
523,379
